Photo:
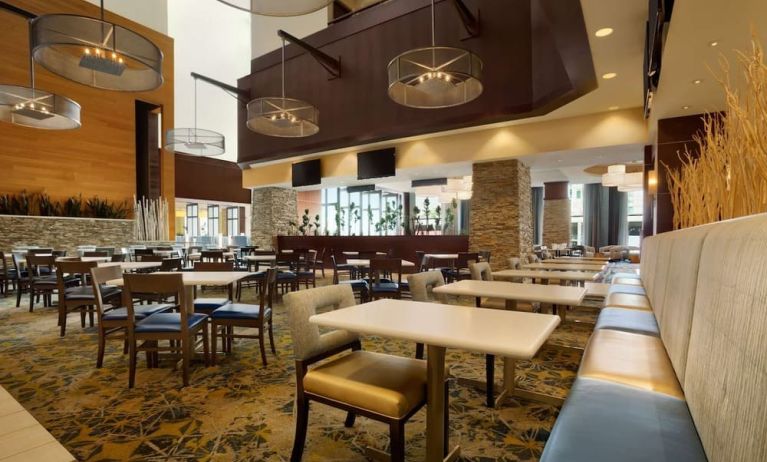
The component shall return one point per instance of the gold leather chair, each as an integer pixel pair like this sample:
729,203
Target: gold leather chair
422,290
389,389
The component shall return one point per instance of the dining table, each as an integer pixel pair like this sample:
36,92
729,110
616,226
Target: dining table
594,267
516,336
133,265
365,263
546,276
571,259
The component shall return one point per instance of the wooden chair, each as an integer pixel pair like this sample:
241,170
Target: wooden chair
40,251
171,264
319,261
422,290
8,274
151,258
96,253
111,315
80,297
42,278
381,287
382,387
212,256
109,250
208,305
460,269
117,257
484,255
138,253
234,315
22,279
305,269
360,287
288,265
179,329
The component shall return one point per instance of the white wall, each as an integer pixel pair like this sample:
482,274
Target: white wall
264,37
150,13
211,39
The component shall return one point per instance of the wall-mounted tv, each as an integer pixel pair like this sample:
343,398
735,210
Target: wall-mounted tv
307,173
375,164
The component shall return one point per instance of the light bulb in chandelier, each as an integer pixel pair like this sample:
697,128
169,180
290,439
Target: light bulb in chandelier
102,61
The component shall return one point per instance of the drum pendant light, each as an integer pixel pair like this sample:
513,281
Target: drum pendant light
278,7
35,108
195,141
96,52
435,77
281,116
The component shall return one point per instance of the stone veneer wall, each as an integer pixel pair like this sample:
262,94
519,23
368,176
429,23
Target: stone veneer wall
273,210
501,212
556,221
63,233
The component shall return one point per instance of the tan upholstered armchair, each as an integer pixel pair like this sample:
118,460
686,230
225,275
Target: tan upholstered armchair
382,387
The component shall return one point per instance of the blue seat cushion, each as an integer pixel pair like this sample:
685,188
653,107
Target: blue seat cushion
139,311
209,304
384,287
285,275
605,421
306,274
86,292
626,289
627,320
168,322
237,311
356,283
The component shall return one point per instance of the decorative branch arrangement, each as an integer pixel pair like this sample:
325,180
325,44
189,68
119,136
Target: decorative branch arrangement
729,178
151,222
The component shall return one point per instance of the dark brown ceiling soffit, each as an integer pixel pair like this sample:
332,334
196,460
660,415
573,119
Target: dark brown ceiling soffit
536,54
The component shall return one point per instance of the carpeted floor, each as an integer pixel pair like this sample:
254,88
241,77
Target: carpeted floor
240,410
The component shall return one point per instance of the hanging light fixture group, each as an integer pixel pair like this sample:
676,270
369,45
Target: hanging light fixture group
435,77
281,116
96,52
278,7
195,141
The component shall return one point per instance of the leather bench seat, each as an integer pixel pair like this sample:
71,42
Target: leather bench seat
628,281
626,289
387,385
628,301
631,359
628,320
607,422
626,276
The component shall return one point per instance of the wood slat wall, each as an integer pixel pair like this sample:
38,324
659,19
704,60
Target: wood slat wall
98,159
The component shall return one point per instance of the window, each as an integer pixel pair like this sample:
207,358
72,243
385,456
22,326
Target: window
575,192
192,220
360,213
232,221
635,213
213,220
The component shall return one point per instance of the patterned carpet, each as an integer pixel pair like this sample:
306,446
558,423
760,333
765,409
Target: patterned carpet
240,410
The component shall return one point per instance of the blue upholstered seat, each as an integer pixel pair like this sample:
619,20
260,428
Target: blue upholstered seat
627,320
139,311
603,422
384,287
358,284
168,322
285,275
209,304
237,311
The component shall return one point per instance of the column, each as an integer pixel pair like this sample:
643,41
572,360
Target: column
556,213
273,210
501,212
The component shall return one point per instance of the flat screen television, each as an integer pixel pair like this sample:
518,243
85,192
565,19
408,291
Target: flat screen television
375,164
307,173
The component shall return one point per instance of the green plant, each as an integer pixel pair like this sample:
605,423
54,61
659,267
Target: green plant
340,220
437,217
73,207
354,216
306,224
46,207
317,225
450,213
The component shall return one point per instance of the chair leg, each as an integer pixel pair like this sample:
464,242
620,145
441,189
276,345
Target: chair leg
18,296
62,319
215,342
102,344
261,346
132,365
397,444
350,418
90,315
186,350
446,449
490,379
31,300
271,338
419,351
205,345
302,421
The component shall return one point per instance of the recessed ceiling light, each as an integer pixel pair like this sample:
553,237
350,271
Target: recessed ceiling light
613,108
604,32
713,44
697,81
609,75
685,107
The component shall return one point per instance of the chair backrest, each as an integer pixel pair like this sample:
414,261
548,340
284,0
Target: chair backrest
140,252
35,262
95,253
515,263
118,257
368,254
422,286
484,255
214,266
79,269
39,251
268,291
212,255
464,258
172,264
109,250
159,286
151,258
99,277
481,271
420,256
3,263
307,339
379,266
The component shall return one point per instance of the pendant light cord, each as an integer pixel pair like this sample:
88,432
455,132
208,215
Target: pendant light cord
195,107
31,61
283,71
102,10
432,23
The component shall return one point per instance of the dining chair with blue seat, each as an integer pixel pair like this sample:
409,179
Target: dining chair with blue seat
360,287
208,304
381,287
75,292
181,329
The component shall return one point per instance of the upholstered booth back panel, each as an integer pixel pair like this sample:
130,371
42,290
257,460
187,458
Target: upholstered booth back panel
657,292
647,262
726,379
675,317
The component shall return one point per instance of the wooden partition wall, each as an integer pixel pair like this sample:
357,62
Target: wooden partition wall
98,159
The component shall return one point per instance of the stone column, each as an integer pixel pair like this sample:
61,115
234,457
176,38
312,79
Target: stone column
556,213
273,210
501,213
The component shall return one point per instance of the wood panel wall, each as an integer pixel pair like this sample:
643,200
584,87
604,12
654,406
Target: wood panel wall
98,159
210,179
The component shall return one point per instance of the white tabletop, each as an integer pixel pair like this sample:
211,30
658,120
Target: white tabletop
565,266
561,275
556,295
87,259
442,256
511,334
363,262
352,253
568,259
133,265
260,257
203,278
597,289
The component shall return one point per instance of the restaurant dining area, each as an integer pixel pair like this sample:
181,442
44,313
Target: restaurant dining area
383,230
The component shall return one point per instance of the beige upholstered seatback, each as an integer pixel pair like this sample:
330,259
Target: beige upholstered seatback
481,271
647,261
423,284
301,305
675,310
659,276
726,379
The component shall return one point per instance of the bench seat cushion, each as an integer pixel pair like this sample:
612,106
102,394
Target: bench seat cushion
626,289
629,301
628,281
626,320
626,276
606,422
631,359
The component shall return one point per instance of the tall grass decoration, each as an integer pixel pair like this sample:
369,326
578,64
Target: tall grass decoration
729,178
151,219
